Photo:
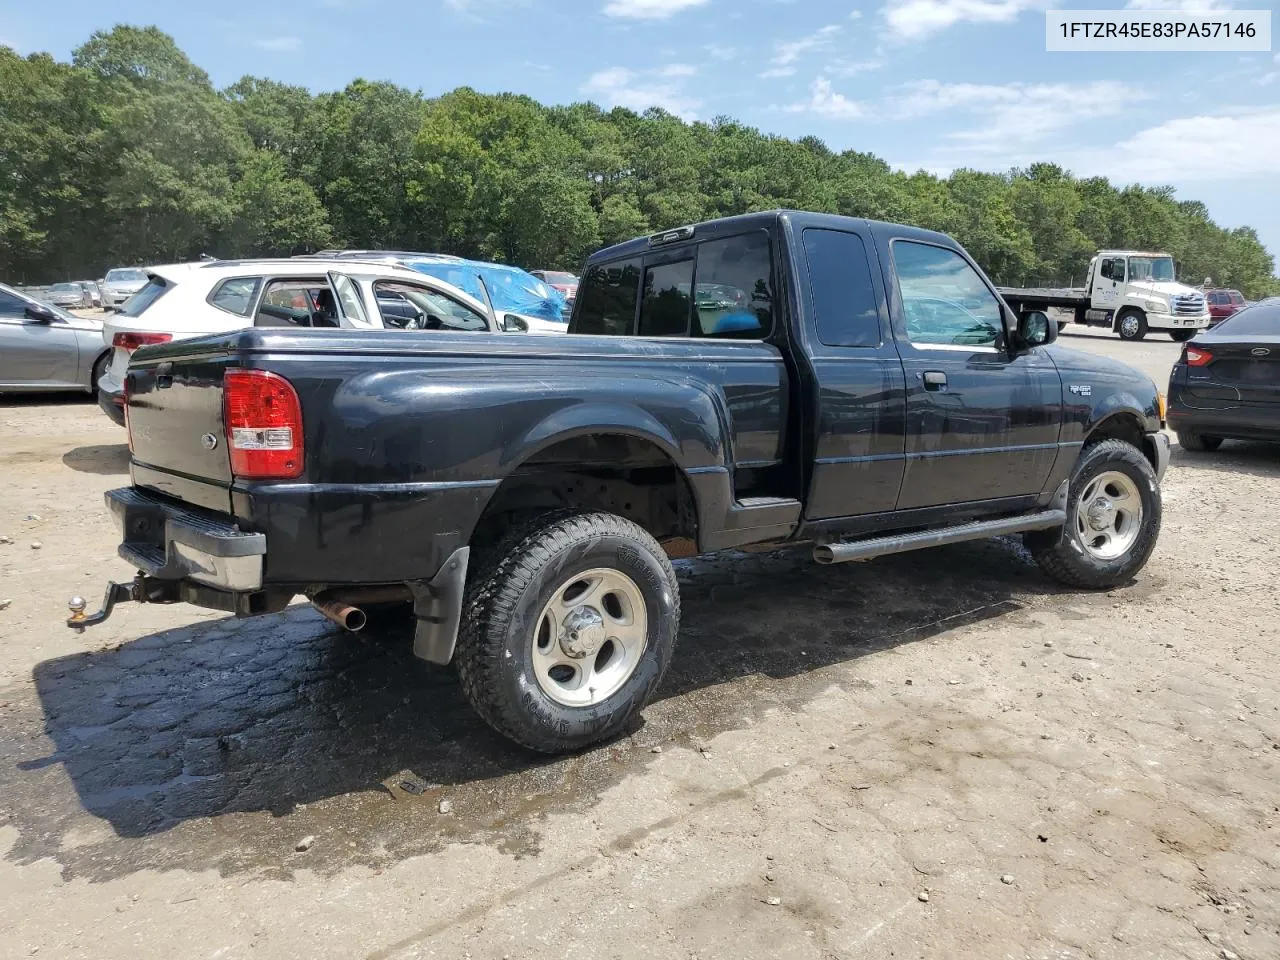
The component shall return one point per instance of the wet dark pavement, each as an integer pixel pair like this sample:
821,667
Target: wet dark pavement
218,746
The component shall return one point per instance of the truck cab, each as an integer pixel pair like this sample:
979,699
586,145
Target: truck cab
1135,292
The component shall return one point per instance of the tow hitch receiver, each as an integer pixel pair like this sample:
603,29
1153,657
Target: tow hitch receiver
142,589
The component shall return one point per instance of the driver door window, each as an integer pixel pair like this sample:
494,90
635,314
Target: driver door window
944,301
408,306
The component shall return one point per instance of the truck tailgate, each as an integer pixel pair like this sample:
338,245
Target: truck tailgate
176,429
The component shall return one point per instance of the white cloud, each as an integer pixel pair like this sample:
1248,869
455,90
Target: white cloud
825,102
284,44
648,9
718,51
620,87
1016,113
855,15
775,72
851,68
1229,145
788,53
917,19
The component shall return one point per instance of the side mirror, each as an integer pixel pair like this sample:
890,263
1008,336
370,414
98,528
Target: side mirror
40,313
513,324
1035,329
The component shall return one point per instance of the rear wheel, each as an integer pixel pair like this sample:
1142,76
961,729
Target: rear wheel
1113,520
568,627
99,368
1182,336
1132,324
1198,442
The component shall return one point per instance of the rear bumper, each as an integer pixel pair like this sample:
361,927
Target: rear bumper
1238,422
170,542
112,405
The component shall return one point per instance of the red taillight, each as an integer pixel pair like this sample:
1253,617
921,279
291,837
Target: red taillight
264,425
1198,357
132,341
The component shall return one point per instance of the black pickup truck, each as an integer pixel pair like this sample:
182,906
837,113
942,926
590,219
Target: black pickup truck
775,378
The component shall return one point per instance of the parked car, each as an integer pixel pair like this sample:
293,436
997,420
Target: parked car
93,291
523,303
566,283
1226,384
120,284
1222,304
43,347
186,300
524,493
68,295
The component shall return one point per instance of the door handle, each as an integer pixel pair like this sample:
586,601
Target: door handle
934,380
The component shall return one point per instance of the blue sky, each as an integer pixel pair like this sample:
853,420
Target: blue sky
936,84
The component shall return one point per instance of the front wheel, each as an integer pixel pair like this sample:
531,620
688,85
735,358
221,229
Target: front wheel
1113,520
568,628
1132,325
1182,336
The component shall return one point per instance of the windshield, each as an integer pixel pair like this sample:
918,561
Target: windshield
145,297
64,288
1260,320
126,276
559,276
1150,268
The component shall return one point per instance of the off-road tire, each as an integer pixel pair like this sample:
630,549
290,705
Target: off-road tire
1140,331
1060,553
506,592
1182,336
1198,442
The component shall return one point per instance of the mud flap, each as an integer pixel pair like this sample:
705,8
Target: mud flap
437,609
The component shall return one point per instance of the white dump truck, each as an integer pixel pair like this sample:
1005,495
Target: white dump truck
1131,291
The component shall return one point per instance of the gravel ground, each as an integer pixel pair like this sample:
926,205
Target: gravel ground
936,755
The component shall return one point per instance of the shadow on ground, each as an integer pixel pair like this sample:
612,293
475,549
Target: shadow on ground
219,745
106,459
1234,456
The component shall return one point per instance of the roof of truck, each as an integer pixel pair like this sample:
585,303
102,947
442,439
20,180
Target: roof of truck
728,226
1133,253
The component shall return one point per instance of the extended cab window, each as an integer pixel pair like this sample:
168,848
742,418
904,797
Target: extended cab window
733,298
944,301
607,298
844,299
297,303
236,295
409,306
664,307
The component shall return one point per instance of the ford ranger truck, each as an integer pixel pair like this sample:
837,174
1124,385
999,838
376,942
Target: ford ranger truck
772,379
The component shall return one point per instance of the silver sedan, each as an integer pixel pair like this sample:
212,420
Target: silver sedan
44,348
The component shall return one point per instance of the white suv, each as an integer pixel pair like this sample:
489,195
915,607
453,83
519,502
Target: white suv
187,300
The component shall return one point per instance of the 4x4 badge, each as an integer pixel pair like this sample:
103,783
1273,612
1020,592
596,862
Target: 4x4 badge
1082,389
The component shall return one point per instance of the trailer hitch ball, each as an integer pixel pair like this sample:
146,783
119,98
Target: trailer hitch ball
77,607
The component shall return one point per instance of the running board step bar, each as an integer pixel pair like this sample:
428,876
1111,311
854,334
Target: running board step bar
901,543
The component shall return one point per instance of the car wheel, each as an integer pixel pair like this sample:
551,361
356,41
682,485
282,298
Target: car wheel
1182,336
1113,520
99,368
1198,442
568,627
1132,325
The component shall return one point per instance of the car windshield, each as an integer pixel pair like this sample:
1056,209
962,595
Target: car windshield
126,276
1260,320
1151,268
559,276
64,288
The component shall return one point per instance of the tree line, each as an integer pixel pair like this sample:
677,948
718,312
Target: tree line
128,154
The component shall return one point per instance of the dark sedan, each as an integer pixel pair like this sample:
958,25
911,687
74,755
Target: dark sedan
1226,384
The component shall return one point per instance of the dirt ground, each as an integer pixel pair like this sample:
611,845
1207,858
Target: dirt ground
938,755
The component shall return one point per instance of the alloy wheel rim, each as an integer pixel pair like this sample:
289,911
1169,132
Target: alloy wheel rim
1109,515
589,637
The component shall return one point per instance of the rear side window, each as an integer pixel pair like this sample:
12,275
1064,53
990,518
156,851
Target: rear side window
236,295
1237,297
844,298
1217,299
664,308
156,288
733,298
607,298
297,303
